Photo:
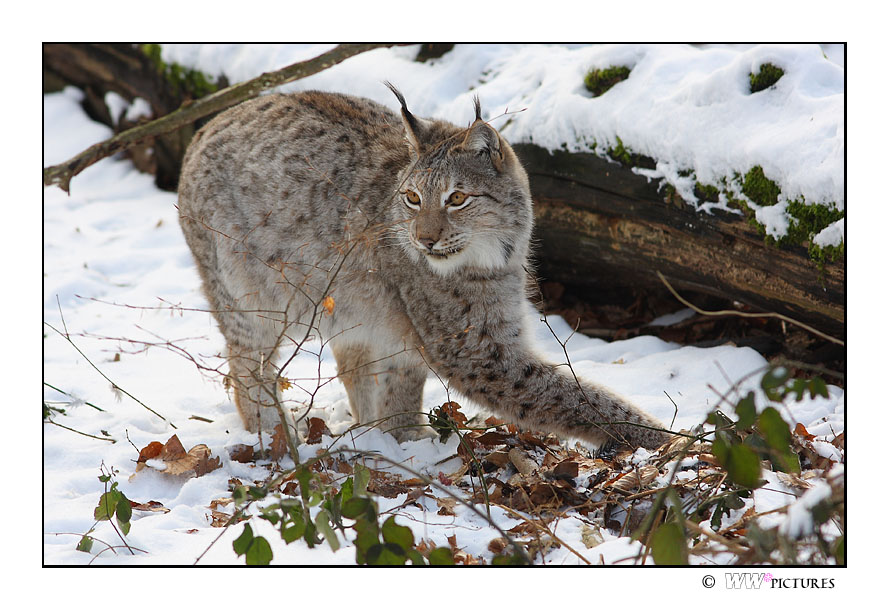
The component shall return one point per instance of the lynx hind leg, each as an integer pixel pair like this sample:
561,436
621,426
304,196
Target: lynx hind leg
253,379
354,372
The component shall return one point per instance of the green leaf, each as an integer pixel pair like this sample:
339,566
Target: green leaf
799,388
257,492
840,550
386,554
85,544
733,501
399,535
777,435
669,545
818,388
346,491
717,516
741,462
239,494
242,543
367,534
718,419
416,558
773,382
323,524
442,556
293,530
362,477
746,411
357,507
271,514
123,510
507,560
107,505
259,553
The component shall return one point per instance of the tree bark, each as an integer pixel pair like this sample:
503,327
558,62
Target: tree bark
600,225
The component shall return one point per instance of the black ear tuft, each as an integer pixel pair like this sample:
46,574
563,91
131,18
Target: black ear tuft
412,125
477,106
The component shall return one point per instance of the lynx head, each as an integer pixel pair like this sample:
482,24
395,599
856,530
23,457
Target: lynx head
463,201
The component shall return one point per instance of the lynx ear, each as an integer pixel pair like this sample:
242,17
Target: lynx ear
413,126
485,141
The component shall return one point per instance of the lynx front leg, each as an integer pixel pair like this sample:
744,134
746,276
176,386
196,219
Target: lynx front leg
254,381
401,401
384,390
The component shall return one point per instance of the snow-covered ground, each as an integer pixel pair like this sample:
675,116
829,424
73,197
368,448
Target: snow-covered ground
120,280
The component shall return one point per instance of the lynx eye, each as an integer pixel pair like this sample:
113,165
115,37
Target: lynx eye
457,199
412,198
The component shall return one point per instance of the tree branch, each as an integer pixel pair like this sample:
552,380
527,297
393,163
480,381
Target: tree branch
61,175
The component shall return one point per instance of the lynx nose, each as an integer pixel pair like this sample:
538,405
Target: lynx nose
428,242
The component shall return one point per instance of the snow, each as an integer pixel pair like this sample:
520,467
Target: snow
688,107
120,280
832,235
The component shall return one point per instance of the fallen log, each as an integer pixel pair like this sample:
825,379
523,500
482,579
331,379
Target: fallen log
600,226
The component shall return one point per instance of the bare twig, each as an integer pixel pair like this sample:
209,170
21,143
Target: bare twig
61,175
747,314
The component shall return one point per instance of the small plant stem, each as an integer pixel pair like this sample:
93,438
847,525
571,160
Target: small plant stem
68,339
68,428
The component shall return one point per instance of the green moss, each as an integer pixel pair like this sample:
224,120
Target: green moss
619,153
708,193
760,189
599,81
766,76
827,254
184,81
626,157
809,219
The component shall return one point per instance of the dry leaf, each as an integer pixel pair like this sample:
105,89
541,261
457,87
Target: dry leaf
446,506
172,450
793,480
317,428
241,453
150,451
220,502
839,441
278,448
591,536
500,458
497,546
328,305
218,519
453,410
283,384
492,438
523,463
566,468
635,480
194,463
802,431
154,506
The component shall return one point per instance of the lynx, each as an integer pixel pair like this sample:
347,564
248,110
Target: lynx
402,242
